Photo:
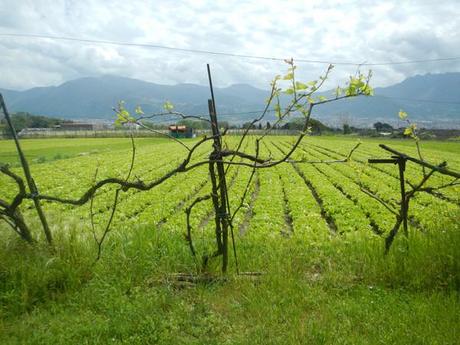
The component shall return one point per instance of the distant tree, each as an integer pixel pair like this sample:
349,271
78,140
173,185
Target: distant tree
260,126
195,124
23,120
224,124
268,126
383,127
297,123
346,128
249,125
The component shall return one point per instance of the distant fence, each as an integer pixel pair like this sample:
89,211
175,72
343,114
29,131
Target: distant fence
262,131
241,131
110,133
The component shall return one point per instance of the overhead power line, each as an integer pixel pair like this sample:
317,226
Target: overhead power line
421,100
209,52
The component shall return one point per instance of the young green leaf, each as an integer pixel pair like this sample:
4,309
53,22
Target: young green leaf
289,76
338,91
368,90
402,115
277,110
408,131
139,110
300,86
168,106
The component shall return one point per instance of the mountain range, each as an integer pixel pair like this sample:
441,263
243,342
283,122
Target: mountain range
433,99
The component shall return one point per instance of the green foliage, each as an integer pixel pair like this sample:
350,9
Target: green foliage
346,128
316,126
249,125
338,91
139,110
168,106
359,85
411,129
123,115
302,94
289,91
402,115
382,127
300,86
289,76
23,120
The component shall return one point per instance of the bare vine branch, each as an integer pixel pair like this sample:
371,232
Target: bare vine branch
441,169
100,241
126,185
10,212
188,212
121,113
406,196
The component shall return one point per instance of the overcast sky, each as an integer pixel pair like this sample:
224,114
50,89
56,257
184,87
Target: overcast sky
355,31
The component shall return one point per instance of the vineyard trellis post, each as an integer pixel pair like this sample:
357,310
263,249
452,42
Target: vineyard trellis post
219,192
404,202
401,159
28,175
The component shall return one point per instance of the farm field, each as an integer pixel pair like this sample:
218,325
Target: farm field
314,235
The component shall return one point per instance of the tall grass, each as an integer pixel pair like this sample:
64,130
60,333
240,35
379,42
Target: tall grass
310,290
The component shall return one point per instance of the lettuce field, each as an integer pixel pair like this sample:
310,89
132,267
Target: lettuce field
308,240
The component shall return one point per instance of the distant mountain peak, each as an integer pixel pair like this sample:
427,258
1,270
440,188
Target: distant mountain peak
94,96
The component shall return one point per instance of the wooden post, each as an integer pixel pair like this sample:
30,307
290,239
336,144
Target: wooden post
401,161
221,206
25,166
402,168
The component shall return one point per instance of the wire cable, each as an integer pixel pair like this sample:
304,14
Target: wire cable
209,52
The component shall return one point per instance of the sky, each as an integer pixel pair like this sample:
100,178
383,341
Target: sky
335,31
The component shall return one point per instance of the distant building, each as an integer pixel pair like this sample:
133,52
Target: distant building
178,131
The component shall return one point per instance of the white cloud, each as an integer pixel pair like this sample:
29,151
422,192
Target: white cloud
355,31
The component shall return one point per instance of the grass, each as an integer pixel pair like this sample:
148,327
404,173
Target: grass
334,292
44,150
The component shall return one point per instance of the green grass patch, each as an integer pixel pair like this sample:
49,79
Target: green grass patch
44,150
334,292
315,288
